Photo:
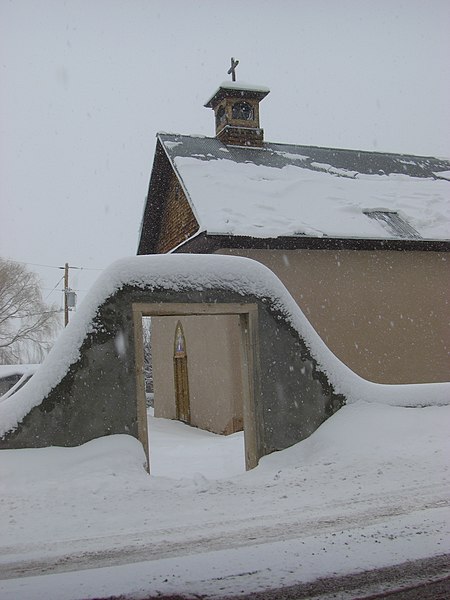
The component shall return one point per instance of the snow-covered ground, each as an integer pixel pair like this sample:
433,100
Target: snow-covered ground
179,451
368,489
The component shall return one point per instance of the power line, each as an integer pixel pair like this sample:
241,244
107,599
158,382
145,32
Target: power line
46,289
59,281
82,268
21,262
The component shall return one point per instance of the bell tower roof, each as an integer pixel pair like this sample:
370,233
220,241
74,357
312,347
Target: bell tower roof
237,89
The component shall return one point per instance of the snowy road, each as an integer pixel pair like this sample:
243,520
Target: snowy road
427,579
368,490
341,522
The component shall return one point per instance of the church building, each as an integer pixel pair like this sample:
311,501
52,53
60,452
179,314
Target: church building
360,239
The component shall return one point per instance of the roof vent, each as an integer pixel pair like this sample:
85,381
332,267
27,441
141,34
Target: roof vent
393,223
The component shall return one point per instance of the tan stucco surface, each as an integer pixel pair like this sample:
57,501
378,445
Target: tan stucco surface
383,313
213,347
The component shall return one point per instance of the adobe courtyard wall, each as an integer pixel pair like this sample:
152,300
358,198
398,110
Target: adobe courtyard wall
92,383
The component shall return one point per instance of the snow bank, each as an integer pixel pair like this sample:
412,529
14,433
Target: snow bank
369,434
103,457
205,272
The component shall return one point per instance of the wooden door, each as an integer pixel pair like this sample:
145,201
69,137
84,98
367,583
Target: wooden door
181,376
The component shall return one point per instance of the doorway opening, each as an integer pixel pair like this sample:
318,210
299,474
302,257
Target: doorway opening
195,369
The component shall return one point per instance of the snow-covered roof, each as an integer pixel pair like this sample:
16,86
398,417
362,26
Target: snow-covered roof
289,190
21,369
240,85
13,377
258,91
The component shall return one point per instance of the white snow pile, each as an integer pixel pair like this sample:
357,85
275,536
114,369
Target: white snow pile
198,272
367,490
246,199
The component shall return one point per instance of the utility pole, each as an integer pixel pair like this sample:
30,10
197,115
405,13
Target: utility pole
70,297
66,289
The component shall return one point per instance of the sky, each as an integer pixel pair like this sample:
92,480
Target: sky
86,85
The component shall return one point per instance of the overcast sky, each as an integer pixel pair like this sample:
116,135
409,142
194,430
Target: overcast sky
86,85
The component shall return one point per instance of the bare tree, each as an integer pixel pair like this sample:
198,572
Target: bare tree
27,324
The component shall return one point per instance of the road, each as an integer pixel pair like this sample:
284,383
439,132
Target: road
427,579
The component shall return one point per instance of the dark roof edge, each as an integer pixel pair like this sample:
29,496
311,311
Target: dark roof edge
359,151
268,144
204,243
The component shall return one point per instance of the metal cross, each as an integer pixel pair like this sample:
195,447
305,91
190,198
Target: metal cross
232,69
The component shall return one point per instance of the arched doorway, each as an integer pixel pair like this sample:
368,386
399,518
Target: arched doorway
181,375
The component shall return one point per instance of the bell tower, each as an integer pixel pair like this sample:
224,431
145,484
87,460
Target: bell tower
236,109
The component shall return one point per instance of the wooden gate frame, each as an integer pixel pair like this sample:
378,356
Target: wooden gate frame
248,320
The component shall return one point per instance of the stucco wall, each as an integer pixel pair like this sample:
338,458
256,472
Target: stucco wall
383,313
214,370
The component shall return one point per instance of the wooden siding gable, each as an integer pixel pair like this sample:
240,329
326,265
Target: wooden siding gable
168,218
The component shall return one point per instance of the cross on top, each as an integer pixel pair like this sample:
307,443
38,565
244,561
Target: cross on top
232,70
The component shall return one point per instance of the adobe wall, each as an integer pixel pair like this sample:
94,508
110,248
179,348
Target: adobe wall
290,396
97,396
385,314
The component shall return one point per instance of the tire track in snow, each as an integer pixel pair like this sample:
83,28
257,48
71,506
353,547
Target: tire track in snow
166,543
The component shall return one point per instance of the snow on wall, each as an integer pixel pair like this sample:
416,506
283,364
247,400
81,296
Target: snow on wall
261,201
196,272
